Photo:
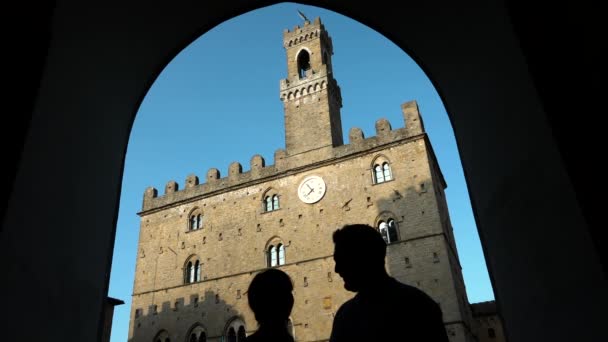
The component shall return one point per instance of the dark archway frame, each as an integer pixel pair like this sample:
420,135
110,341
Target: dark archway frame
91,67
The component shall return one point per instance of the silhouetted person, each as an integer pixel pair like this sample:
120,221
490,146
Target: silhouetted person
383,308
271,300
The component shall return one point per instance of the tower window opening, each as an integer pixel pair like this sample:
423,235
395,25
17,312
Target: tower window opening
303,63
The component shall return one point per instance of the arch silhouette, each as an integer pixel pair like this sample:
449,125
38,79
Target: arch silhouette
500,73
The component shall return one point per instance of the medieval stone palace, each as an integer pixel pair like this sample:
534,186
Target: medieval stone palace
200,245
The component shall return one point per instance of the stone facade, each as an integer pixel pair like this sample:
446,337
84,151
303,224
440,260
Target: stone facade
226,227
487,323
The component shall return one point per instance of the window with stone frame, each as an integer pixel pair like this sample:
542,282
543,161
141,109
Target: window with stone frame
197,334
387,226
162,336
271,200
381,170
195,220
235,331
192,270
275,253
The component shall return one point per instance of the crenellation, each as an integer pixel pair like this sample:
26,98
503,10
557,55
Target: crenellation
412,118
358,143
355,136
171,187
234,170
213,175
364,144
280,157
383,127
302,34
191,181
257,163
150,192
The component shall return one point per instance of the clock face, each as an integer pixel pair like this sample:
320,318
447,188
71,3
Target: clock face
311,189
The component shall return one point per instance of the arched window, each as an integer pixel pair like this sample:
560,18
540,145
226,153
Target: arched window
381,170
241,335
231,335
162,336
379,175
383,227
281,254
275,202
388,230
192,270
272,256
199,221
275,253
271,200
303,63
392,230
235,331
195,220
189,273
197,334
386,170
197,271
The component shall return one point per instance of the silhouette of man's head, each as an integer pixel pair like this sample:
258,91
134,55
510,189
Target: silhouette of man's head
270,296
359,253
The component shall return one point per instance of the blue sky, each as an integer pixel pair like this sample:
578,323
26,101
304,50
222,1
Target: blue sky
218,101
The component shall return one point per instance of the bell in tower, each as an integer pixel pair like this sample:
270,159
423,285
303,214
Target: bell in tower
311,96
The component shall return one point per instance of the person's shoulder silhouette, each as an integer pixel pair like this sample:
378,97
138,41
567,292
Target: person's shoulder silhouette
271,300
383,308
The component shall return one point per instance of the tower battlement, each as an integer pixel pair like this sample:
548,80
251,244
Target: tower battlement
284,165
300,34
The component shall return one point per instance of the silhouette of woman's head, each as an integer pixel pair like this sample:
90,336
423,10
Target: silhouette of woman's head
270,296
359,253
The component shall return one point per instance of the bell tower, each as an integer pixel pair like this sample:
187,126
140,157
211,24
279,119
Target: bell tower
311,96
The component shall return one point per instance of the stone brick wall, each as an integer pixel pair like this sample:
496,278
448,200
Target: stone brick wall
487,324
236,231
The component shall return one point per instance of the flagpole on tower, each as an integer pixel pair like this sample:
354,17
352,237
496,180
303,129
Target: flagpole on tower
302,15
